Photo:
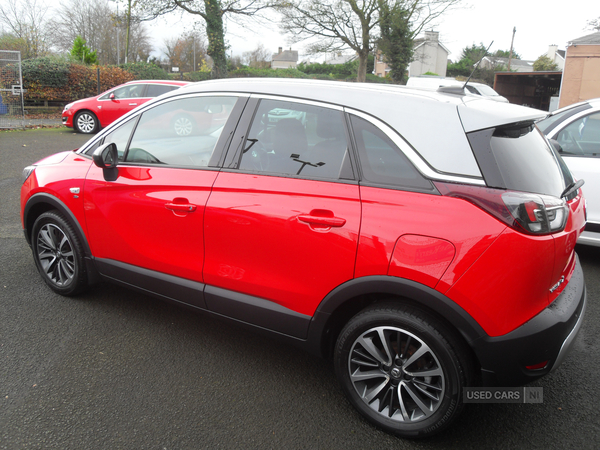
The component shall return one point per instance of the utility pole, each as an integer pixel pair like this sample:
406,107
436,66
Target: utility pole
511,47
128,27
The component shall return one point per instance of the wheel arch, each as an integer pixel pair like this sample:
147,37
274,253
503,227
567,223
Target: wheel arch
352,297
43,202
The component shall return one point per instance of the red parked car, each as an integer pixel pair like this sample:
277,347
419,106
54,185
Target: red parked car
424,241
90,114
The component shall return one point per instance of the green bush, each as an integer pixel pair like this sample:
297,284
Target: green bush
48,71
270,73
145,71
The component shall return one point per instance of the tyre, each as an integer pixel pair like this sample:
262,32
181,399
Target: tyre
58,254
402,369
183,125
85,122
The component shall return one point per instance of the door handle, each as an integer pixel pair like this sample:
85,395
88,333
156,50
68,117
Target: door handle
180,207
322,218
133,104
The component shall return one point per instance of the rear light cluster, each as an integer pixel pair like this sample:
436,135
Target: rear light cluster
528,213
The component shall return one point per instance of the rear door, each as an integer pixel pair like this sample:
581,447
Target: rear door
282,221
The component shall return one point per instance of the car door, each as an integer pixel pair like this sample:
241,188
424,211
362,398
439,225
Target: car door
145,227
120,101
580,143
282,221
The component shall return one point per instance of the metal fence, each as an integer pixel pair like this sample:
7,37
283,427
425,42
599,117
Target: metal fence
12,107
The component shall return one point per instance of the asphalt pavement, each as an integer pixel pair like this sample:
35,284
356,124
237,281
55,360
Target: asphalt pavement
114,369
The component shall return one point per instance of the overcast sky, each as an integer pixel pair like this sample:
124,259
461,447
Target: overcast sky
539,23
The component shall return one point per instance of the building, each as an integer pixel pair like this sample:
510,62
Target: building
556,56
429,55
498,63
581,75
285,59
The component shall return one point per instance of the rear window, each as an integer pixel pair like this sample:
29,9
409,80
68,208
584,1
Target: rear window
552,121
518,158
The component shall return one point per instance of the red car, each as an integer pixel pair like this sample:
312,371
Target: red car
91,114
423,241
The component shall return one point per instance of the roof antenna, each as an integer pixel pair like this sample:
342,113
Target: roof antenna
461,90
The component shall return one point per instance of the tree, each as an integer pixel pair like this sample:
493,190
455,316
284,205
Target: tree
26,21
212,12
543,63
395,42
594,24
506,54
187,52
334,25
101,28
259,58
82,53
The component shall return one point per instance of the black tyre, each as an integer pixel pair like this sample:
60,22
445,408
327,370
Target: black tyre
58,254
402,369
85,122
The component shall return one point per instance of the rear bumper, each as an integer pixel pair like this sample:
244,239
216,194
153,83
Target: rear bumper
547,337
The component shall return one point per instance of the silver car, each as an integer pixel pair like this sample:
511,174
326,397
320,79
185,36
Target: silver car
576,129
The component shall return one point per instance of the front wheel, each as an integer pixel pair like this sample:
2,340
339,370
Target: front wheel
85,122
58,254
402,369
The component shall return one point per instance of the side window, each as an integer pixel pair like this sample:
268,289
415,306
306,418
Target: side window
154,90
381,161
120,136
288,138
130,91
182,132
581,137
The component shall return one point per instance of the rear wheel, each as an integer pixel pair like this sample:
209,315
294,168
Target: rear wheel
58,254
85,122
402,369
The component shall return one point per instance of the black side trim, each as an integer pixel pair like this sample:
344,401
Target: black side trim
592,227
393,286
257,311
152,282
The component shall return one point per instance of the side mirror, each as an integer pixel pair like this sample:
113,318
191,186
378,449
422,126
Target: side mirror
106,157
112,96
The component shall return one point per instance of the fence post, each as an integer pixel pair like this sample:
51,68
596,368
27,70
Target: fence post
98,78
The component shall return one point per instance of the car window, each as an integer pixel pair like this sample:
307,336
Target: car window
182,132
120,136
154,90
582,137
295,139
382,162
130,91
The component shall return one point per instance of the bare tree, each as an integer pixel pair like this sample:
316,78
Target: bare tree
332,25
26,20
102,29
259,58
212,12
187,52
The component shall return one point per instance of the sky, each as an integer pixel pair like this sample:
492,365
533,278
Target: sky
539,23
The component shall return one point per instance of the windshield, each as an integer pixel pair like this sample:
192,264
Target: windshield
485,90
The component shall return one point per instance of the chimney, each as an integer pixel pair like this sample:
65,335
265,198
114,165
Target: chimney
280,49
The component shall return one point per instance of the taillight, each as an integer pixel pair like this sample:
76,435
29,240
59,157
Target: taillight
537,214
527,213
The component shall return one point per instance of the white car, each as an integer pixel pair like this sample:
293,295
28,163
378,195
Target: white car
432,82
576,128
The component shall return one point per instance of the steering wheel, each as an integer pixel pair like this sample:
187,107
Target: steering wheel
574,142
141,156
